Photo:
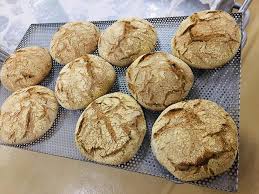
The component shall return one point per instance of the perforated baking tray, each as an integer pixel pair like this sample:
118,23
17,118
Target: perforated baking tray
220,85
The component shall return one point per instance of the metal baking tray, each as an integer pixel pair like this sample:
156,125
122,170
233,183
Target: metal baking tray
220,85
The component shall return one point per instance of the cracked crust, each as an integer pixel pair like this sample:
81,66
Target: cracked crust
73,40
207,39
83,80
195,139
157,80
27,114
111,129
26,67
127,39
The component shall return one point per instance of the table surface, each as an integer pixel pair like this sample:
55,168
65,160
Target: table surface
27,172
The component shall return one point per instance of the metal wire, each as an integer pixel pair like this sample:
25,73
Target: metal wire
245,5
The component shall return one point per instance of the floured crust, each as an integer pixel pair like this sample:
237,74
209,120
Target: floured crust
111,129
83,80
157,80
207,39
195,139
127,39
73,40
27,114
26,67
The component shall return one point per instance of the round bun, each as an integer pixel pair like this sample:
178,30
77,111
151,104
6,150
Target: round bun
127,39
207,39
73,40
83,80
195,139
157,80
111,129
27,114
26,67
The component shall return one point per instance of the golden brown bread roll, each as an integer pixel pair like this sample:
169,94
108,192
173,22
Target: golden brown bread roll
73,40
27,114
127,39
111,129
83,80
157,80
26,67
195,139
207,39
